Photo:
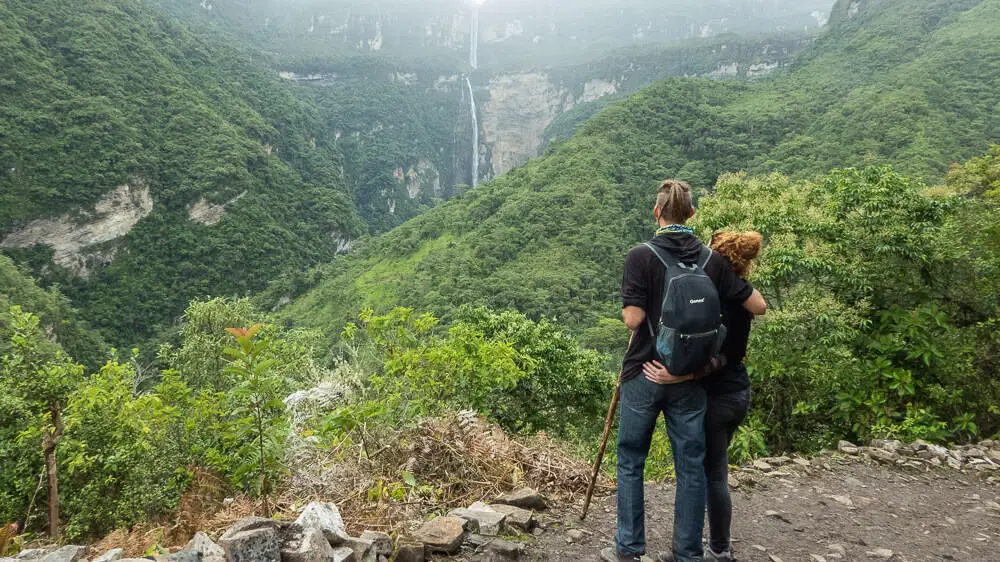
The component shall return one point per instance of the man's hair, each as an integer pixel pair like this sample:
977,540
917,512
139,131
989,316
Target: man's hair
674,201
740,247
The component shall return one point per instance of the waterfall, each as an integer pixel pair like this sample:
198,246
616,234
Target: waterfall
475,133
474,38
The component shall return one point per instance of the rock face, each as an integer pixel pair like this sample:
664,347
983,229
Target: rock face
520,108
252,540
326,518
73,235
442,534
208,214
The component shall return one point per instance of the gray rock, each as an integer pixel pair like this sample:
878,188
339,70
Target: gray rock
838,549
410,552
33,553
364,550
487,523
477,541
110,556
777,461
517,519
202,549
880,553
525,498
325,517
762,465
954,463
883,455
503,551
250,524
847,448
382,542
68,553
442,534
305,545
343,554
575,535
843,500
938,451
259,544
891,445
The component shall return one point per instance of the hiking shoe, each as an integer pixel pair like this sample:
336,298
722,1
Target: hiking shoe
724,556
609,555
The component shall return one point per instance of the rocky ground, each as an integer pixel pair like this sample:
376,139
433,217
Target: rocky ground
891,501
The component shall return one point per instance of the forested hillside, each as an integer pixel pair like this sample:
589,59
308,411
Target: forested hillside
894,82
153,165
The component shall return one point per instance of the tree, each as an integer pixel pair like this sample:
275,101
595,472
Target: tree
40,377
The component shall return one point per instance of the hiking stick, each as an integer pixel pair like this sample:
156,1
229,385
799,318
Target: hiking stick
612,409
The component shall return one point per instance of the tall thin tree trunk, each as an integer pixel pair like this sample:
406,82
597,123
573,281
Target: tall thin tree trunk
263,470
49,442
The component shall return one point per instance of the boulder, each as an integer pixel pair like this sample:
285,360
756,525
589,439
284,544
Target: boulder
260,544
305,545
202,549
382,542
442,534
33,553
364,549
847,448
891,445
518,520
883,455
486,523
410,552
110,556
68,553
325,517
525,498
503,551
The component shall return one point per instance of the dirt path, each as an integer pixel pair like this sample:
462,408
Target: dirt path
836,506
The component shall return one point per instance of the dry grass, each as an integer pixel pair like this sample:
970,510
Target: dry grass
383,479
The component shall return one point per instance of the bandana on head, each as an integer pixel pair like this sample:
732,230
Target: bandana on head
675,228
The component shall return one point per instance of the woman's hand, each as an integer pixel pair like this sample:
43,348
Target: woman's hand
658,374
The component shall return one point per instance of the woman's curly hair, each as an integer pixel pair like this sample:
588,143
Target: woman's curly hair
741,248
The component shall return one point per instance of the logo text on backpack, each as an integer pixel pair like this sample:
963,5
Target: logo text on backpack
698,301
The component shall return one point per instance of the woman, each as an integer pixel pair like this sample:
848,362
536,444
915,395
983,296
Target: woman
728,389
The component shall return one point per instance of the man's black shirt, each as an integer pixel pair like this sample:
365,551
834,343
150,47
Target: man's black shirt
642,286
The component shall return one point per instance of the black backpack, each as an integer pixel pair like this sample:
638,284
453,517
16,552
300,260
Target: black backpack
690,331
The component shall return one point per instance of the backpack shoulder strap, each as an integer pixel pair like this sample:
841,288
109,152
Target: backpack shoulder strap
658,255
706,254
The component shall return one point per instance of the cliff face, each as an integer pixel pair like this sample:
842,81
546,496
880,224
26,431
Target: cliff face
511,32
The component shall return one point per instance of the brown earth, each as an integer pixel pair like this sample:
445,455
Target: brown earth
797,513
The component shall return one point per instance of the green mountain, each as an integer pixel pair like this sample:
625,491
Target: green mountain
142,165
908,82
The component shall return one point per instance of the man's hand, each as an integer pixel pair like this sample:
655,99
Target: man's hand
656,373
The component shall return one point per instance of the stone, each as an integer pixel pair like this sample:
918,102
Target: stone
774,558
202,549
305,545
817,558
260,544
935,461
974,452
762,465
442,534
503,551
880,553
801,462
364,549
777,461
111,555
838,549
954,463
342,554
477,541
919,445
325,517
891,445
843,500
883,455
487,523
938,451
847,448
382,542
525,498
576,534
68,553
33,553
517,519
410,552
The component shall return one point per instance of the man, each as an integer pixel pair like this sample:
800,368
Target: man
683,404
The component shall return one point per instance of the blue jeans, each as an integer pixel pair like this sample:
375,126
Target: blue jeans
683,405
725,414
